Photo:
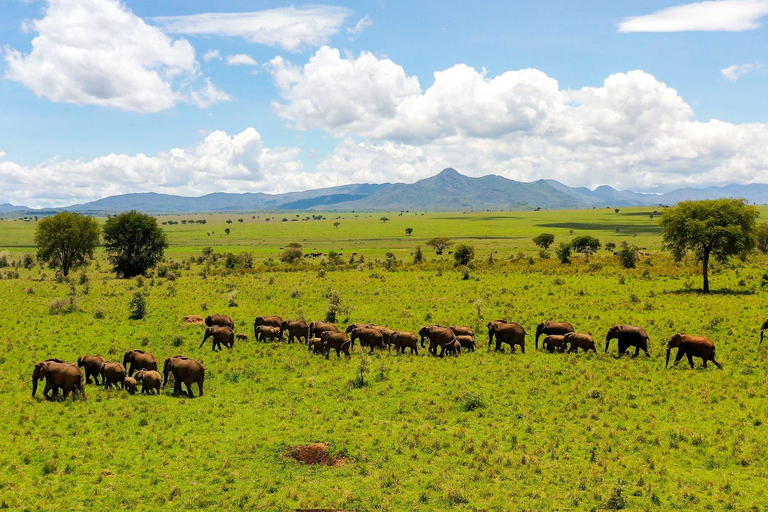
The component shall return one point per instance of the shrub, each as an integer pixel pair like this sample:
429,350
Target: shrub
563,252
232,299
5,259
418,255
471,401
585,243
334,258
292,253
137,307
628,255
762,238
464,254
544,255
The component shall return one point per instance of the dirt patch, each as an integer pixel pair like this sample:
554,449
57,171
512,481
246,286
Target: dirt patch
316,454
193,320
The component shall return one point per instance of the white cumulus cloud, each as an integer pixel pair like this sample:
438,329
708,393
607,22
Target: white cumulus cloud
211,55
712,15
240,59
97,52
290,28
737,71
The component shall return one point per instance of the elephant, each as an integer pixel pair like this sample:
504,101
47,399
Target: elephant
315,345
92,366
139,360
763,328
437,336
628,336
58,374
220,320
352,327
466,341
241,337
270,332
150,381
221,336
368,337
510,333
578,340
297,329
462,330
453,348
554,342
274,321
339,341
112,374
549,327
317,328
402,340
692,346
129,384
188,371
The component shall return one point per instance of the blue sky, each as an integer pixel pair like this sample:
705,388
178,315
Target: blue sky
332,100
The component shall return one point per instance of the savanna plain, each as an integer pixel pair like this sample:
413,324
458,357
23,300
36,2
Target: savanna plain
485,430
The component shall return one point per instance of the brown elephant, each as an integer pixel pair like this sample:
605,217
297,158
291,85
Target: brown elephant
578,340
274,321
466,341
298,329
628,336
129,384
453,348
549,327
112,374
268,332
462,330
150,381
438,336
763,328
352,327
316,329
339,341
402,340
220,320
58,374
139,360
184,370
692,346
220,336
368,337
315,345
510,333
554,342
241,337
92,366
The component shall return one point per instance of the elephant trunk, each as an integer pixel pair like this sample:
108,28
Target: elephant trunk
34,385
165,376
422,342
607,342
668,352
762,335
204,338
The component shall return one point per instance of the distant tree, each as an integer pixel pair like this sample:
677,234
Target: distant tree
610,246
563,252
418,255
384,219
718,228
616,210
134,243
292,253
464,254
408,231
628,255
239,220
336,224
762,238
586,242
227,231
544,240
439,244
66,240
229,221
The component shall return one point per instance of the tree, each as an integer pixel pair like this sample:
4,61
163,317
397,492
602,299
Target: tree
134,243
617,210
336,224
292,253
439,244
628,255
384,219
610,246
544,240
418,255
66,240
227,231
762,238
586,242
408,231
718,228
563,252
464,254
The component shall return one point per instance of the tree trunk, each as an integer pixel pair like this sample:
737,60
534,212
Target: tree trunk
705,270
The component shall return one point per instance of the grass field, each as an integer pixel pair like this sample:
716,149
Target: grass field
481,431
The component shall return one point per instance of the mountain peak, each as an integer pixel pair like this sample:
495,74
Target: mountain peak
449,172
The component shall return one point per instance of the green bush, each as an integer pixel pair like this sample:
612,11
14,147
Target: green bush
137,307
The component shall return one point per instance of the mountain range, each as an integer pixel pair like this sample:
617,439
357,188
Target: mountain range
447,191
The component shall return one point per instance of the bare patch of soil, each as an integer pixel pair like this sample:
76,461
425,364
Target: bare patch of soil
193,320
316,454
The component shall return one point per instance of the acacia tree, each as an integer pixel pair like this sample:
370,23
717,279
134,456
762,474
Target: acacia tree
134,243
408,231
66,240
439,244
544,240
718,228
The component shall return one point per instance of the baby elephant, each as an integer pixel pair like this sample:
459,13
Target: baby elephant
264,332
129,384
466,341
453,347
578,340
316,345
150,381
241,337
554,342
692,346
402,340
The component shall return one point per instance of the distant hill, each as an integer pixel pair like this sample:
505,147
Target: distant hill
448,190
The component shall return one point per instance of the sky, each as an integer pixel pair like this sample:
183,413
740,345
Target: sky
102,97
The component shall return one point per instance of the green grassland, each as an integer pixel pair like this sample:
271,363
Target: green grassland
481,431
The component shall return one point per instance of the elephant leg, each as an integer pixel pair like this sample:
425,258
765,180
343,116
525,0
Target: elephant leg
65,393
522,348
200,387
704,362
690,360
189,389
719,366
678,356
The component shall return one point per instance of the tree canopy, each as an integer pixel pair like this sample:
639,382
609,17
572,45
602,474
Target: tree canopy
544,240
718,228
439,244
464,254
134,243
586,242
292,253
66,240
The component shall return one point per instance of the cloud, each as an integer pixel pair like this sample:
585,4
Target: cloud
290,28
97,52
713,15
360,25
212,54
735,72
240,59
632,131
218,163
